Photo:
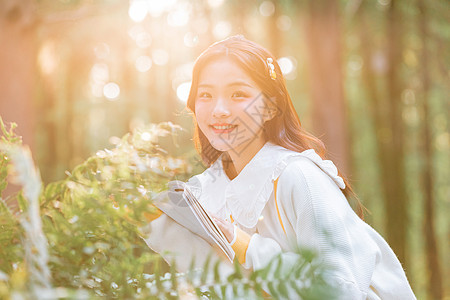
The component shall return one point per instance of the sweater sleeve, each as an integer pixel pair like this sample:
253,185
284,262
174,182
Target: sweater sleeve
178,245
320,218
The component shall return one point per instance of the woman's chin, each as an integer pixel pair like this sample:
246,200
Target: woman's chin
221,145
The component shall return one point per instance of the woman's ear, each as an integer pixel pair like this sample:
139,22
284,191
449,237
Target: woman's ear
271,110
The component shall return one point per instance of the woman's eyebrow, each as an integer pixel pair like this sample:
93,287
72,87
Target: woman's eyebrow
244,83
234,83
205,85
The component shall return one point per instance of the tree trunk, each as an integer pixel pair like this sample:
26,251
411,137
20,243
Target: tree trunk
393,169
434,275
386,113
377,104
326,80
18,69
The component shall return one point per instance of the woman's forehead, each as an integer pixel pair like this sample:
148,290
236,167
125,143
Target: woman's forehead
224,71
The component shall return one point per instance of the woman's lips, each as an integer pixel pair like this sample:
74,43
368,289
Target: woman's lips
222,128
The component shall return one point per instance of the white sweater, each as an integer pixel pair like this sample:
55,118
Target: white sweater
314,213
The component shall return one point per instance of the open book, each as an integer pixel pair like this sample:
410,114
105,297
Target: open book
181,204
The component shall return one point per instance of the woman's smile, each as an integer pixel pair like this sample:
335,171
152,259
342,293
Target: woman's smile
222,128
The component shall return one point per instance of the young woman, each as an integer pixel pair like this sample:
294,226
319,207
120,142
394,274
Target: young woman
267,183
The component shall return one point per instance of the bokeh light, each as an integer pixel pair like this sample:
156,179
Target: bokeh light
98,77
157,7
47,57
143,63
183,91
102,50
179,17
146,136
222,30
160,57
408,97
384,2
267,8
215,3
143,39
442,141
137,10
135,31
190,39
286,65
379,62
100,73
354,65
284,23
111,91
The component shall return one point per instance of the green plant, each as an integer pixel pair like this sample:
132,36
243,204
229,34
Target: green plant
80,238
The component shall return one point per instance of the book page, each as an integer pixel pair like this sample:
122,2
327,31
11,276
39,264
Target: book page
208,223
180,204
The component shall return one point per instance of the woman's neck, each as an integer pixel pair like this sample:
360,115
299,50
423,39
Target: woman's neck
238,160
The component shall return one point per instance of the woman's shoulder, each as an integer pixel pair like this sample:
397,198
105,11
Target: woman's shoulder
307,166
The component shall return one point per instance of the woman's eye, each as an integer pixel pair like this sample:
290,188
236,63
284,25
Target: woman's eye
204,95
239,94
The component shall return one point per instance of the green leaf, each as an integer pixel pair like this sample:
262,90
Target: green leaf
204,276
216,272
173,276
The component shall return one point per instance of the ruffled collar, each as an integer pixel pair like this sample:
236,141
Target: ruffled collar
246,195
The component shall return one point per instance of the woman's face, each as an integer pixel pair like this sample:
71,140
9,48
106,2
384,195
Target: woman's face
230,108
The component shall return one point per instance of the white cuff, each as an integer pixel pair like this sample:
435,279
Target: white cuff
234,235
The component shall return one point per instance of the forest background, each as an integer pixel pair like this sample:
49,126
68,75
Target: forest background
371,78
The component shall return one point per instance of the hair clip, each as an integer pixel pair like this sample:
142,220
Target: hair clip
272,72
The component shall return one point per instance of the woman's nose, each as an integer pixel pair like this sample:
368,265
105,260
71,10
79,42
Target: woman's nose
221,108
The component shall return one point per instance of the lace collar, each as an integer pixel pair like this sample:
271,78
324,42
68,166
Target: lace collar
246,195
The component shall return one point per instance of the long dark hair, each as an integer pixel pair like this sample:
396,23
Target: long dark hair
284,128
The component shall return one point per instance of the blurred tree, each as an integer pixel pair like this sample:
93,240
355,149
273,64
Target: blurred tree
393,167
386,113
434,272
276,38
17,58
18,67
323,43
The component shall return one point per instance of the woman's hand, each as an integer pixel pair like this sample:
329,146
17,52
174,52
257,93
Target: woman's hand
226,227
